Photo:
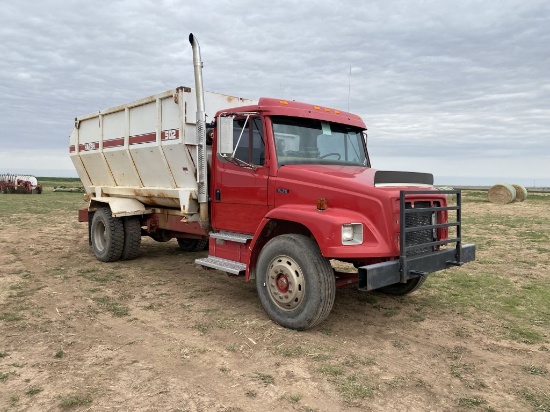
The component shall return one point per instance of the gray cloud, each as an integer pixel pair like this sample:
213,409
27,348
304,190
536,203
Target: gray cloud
436,78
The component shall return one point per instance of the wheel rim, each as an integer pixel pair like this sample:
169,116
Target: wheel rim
99,236
285,283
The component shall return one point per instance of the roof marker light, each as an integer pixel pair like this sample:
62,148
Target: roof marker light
283,102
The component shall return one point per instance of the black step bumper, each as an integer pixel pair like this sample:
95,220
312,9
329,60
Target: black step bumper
388,273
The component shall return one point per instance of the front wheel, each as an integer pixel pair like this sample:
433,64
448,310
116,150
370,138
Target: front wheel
295,282
400,289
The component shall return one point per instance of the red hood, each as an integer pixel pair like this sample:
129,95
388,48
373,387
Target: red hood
355,178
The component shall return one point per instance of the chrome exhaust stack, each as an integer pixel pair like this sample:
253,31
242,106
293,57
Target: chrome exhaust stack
202,158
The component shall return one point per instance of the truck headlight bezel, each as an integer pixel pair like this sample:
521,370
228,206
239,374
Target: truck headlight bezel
352,233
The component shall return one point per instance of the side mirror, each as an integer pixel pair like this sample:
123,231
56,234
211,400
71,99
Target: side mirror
225,137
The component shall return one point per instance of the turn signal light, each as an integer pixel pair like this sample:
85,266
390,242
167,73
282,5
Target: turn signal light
322,204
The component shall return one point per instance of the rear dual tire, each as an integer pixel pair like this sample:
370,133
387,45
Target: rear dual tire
114,238
192,245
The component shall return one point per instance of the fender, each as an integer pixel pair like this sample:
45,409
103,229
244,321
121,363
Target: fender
120,206
326,228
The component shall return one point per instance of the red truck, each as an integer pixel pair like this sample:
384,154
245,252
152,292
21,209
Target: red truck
280,191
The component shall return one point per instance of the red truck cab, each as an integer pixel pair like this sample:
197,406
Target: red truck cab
292,188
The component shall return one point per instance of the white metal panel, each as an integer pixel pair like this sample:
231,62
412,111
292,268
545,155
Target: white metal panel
151,167
143,119
122,167
97,169
114,126
181,166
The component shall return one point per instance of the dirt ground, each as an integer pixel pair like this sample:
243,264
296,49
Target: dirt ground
161,334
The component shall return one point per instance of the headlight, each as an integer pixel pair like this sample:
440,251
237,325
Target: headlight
352,233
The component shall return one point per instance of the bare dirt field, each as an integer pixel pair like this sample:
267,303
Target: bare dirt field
161,334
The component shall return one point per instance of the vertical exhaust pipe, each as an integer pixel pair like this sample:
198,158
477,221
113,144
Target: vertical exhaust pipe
202,159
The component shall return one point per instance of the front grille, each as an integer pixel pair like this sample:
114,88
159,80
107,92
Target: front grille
419,219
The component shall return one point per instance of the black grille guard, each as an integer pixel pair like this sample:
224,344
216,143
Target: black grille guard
411,264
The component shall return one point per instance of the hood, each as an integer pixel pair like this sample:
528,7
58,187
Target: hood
361,179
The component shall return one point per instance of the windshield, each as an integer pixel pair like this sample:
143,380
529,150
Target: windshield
312,141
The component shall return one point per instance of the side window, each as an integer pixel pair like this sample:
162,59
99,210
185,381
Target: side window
251,146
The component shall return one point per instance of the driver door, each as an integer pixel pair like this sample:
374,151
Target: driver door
239,193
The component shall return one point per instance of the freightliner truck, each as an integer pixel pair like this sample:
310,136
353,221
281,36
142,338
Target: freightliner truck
280,192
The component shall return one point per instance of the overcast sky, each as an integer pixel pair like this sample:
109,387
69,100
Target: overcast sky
457,88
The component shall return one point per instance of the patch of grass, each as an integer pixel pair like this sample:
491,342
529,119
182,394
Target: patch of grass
331,370
111,305
95,275
4,355
390,312
231,347
518,307
11,317
291,352
59,354
71,401
353,361
523,334
203,327
540,401
536,370
295,398
33,390
4,376
265,378
352,389
224,369
14,400
417,317
473,402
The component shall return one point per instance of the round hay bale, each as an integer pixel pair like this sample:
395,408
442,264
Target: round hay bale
502,193
521,193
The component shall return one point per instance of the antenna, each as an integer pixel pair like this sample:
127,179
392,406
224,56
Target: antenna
349,85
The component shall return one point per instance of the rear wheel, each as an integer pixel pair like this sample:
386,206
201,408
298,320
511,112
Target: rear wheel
107,235
400,289
191,245
295,282
132,238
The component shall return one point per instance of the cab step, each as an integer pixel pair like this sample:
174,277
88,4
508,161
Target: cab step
226,265
231,236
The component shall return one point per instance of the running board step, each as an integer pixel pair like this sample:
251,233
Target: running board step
225,265
231,236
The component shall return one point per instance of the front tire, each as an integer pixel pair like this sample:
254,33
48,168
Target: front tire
295,282
107,235
400,289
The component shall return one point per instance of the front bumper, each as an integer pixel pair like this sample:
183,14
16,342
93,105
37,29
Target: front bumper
387,273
